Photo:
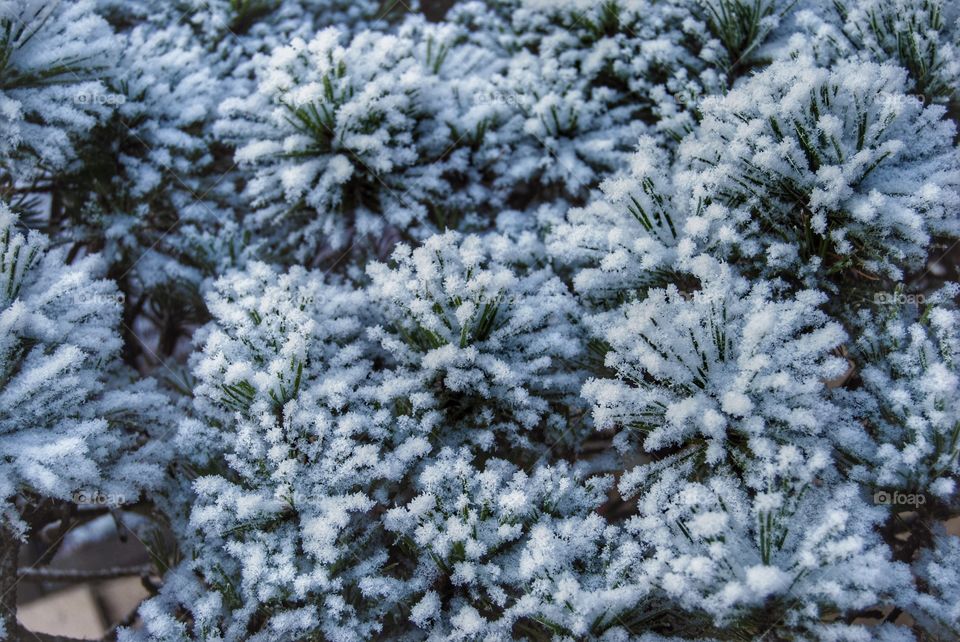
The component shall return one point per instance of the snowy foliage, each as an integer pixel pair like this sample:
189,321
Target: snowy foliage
50,53
149,201
346,139
937,606
630,236
486,355
585,79
536,320
799,173
803,169
64,414
255,19
718,368
293,455
909,396
774,552
489,534
922,36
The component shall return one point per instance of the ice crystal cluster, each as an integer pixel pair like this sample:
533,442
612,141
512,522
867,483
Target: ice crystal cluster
506,320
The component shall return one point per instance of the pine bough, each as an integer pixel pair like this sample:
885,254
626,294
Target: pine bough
620,320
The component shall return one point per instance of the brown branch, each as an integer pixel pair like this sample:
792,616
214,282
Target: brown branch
9,551
46,574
